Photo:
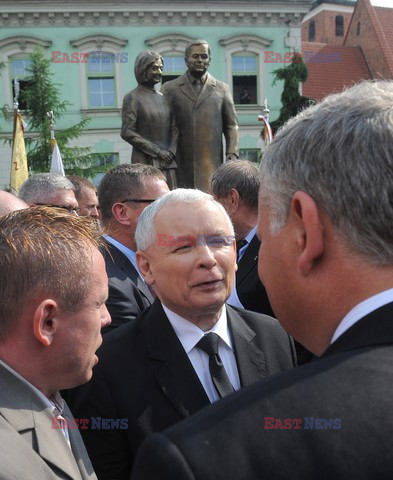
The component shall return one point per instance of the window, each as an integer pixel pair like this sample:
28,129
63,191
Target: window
246,71
15,54
100,77
101,81
339,25
358,29
251,154
20,71
244,78
173,67
311,31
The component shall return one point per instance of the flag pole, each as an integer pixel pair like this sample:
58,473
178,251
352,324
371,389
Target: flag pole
19,172
56,162
266,133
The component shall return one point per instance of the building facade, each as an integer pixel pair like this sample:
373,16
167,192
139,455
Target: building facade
93,46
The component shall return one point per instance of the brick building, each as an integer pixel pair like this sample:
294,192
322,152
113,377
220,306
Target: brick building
328,22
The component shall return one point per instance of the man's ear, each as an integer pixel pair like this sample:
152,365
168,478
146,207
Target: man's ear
232,201
45,323
121,213
309,231
143,262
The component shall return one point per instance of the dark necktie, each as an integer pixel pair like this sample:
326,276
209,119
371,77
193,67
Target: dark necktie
240,245
209,344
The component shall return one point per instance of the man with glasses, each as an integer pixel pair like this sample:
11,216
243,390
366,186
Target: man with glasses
50,189
123,193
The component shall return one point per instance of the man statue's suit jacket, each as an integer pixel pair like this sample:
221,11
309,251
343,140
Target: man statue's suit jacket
128,293
202,121
342,404
30,447
145,376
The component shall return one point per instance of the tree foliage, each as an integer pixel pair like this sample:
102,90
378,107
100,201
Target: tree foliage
291,100
42,96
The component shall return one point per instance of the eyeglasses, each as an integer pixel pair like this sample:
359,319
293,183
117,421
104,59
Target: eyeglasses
64,207
139,200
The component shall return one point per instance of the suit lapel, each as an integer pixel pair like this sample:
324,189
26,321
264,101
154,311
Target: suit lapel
128,268
186,88
249,260
175,374
250,359
24,410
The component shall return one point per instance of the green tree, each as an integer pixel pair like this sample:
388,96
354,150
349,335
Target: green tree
291,100
41,97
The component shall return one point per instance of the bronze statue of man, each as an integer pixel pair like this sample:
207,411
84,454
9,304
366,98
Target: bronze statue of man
204,111
148,122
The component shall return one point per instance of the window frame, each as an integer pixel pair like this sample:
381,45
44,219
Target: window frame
252,44
100,44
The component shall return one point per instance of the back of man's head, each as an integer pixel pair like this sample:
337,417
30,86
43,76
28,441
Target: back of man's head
241,175
43,188
122,182
43,253
9,203
340,152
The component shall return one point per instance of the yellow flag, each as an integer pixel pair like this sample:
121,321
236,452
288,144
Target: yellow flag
19,172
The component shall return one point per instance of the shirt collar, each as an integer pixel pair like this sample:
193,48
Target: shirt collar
361,310
55,403
192,78
189,334
130,254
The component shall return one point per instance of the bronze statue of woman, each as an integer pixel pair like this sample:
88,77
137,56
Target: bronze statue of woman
148,122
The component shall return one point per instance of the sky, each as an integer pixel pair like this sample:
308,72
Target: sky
382,3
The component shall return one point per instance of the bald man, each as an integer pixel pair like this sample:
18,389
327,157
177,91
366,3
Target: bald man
9,203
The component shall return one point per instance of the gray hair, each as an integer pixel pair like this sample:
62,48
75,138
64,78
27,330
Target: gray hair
146,235
340,152
41,187
241,175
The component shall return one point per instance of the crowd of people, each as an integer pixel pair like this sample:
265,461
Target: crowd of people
241,332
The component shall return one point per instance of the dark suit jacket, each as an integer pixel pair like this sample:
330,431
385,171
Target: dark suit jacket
30,447
128,293
350,388
145,376
250,290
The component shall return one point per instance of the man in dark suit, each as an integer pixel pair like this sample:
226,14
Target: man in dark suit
326,259
235,185
154,372
204,111
52,295
123,193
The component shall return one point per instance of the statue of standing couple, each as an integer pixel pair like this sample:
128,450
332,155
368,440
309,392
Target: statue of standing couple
203,111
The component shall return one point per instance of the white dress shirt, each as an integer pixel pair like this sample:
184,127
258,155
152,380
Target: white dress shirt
189,335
